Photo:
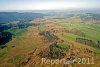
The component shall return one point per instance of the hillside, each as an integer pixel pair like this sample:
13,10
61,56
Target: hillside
52,38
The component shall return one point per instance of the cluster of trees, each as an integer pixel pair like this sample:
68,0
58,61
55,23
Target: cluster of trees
6,22
76,32
98,44
4,27
89,16
21,25
88,42
95,16
49,35
5,37
25,25
53,52
6,17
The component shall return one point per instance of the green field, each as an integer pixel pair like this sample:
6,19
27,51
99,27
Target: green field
92,31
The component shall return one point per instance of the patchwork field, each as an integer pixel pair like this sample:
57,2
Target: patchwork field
68,38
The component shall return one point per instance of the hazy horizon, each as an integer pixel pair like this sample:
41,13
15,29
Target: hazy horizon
48,4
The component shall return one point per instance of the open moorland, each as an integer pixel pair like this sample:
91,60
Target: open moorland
75,38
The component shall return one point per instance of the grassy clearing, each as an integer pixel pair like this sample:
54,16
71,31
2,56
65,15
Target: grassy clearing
63,46
17,33
92,32
3,53
97,52
70,36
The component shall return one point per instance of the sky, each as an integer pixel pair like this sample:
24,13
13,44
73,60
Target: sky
48,4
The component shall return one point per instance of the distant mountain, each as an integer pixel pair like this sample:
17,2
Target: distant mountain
15,16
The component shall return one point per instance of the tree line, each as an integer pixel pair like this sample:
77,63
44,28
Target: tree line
88,42
50,36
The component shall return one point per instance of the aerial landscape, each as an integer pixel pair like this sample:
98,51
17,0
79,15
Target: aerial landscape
48,35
